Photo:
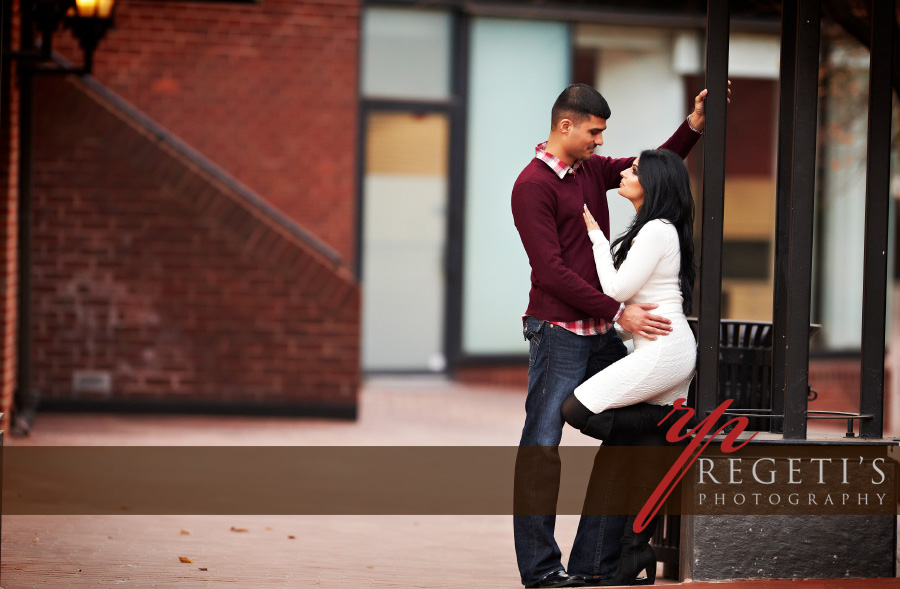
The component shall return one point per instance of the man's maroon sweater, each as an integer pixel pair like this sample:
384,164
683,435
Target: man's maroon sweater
548,214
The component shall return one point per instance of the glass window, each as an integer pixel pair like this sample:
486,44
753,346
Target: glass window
406,54
404,237
509,113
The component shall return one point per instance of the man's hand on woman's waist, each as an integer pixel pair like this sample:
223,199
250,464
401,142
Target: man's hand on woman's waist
636,319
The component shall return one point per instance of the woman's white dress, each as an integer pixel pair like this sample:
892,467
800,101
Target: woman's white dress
658,371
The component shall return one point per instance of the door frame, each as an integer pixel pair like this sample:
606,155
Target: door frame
454,108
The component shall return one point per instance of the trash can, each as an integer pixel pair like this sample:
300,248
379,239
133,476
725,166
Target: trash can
745,366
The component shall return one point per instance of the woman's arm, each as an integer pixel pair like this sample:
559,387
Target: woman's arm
647,249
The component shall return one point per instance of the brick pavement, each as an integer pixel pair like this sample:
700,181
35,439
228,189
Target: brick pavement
293,551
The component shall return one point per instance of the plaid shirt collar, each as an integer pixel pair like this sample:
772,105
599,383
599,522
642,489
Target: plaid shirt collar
559,167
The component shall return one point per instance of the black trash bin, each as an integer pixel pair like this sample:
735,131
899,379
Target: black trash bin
745,367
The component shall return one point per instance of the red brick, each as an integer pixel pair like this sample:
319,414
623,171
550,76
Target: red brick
248,92
178,299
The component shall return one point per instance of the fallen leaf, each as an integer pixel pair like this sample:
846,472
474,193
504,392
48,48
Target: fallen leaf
185,533
185,559
291,537
204,569
234,529
36,540
371,566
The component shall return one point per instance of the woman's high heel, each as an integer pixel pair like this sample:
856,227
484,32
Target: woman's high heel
637,555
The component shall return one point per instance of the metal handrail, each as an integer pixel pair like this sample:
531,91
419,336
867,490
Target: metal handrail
810,414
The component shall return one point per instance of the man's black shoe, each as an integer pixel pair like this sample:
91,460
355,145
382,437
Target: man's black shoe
559,578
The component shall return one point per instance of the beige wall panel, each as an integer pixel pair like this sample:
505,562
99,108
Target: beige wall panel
407,144
748,300
749,208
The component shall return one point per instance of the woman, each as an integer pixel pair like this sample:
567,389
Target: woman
652,262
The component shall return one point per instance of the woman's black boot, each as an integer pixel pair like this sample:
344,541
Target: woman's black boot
637,555
625,422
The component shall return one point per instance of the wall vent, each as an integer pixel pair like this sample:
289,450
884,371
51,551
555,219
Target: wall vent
92,381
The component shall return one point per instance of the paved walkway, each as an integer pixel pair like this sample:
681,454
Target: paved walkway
293,551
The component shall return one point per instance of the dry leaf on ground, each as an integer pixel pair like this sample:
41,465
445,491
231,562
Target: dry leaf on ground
185,559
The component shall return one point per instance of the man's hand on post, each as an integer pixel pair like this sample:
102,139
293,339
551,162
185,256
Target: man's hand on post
636,319
698,115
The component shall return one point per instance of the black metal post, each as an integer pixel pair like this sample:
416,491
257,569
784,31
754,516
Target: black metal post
25,397
783,207
23,244
871,391
799,271
23,370
717,29
453,262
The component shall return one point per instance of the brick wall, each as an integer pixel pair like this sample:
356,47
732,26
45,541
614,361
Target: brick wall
267,90
505,375
175,283
837,380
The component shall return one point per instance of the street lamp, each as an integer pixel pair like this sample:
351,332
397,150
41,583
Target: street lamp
89,21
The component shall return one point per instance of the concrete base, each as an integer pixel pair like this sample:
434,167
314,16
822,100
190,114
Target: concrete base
847,528
717,547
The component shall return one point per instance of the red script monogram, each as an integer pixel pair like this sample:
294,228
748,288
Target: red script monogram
690,453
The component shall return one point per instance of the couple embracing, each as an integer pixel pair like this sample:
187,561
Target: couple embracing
581,285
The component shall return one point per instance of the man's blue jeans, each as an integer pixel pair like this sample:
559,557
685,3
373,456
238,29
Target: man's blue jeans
559,361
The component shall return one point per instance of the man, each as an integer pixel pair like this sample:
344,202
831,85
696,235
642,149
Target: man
569,323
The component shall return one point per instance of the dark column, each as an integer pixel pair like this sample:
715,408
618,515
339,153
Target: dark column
783,206
453,262
25,397
717,25
871,390
803,178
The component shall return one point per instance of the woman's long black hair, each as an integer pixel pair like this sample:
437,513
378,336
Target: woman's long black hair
667,195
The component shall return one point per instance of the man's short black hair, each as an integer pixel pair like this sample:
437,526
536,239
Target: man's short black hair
579,102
